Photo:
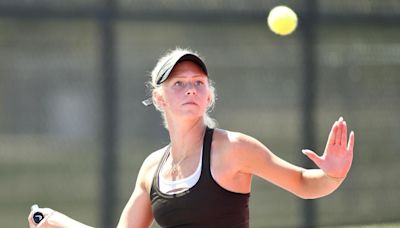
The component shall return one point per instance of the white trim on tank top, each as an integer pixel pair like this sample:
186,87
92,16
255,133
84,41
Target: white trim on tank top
171,187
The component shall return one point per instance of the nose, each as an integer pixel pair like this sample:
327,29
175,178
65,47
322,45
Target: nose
191,90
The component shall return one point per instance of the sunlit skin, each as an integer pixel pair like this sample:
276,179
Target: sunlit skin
338,155
185,94
235,157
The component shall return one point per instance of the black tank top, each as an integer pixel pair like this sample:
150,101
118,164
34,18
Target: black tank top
206,204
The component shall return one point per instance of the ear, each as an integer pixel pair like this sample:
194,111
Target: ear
209,99
158,99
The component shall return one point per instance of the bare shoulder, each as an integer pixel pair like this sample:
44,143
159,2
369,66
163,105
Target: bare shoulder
227,146
233,154
234,141
153,159
149,168
239,149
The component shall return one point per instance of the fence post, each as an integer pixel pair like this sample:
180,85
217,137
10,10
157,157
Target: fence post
309,89
109,101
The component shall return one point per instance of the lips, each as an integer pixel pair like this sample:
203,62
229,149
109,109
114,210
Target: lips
190,103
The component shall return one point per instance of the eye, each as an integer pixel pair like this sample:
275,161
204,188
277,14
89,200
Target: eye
178,83
198,83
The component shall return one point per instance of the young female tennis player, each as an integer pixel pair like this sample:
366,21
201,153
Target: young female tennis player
202,178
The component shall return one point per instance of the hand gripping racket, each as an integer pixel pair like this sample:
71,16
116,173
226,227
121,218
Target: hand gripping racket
37,216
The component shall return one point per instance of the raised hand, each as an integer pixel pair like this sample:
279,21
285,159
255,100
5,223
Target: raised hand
338,155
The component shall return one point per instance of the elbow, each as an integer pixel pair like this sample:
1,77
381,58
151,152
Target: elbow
313,193
309,196
314,188
304,195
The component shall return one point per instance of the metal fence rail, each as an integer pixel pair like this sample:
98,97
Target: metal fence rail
117,42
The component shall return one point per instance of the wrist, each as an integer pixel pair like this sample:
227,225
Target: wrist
56,219
335,178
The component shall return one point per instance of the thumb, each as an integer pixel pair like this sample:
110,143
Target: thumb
312,156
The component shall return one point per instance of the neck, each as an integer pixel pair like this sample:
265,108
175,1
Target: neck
186,138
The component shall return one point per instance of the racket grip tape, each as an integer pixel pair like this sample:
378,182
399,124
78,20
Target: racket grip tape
37,216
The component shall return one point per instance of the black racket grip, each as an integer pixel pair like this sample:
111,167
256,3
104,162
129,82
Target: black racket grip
37,216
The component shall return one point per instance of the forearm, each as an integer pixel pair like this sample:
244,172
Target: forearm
59,220
317,184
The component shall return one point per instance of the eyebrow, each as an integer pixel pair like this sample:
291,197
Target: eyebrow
196,76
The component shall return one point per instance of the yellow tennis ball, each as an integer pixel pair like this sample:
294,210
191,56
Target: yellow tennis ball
282,20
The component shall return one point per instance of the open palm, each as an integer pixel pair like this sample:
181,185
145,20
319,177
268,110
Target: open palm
338,155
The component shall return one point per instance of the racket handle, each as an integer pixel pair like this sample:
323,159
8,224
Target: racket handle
37,216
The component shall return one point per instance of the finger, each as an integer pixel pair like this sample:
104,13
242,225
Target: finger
30,220
350,144
344,134
338,135
312,156
46,212
331,138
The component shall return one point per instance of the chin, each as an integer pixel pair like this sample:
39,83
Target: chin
191,114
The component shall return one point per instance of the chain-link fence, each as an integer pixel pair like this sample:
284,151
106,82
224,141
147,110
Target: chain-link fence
72,74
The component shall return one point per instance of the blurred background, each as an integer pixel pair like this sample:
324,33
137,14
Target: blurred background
73,131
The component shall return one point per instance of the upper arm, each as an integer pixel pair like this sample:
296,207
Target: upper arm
138,212
252,157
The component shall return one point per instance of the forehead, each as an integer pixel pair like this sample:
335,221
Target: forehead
187,69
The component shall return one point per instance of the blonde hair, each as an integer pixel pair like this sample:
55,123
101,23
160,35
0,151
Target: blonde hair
153,86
